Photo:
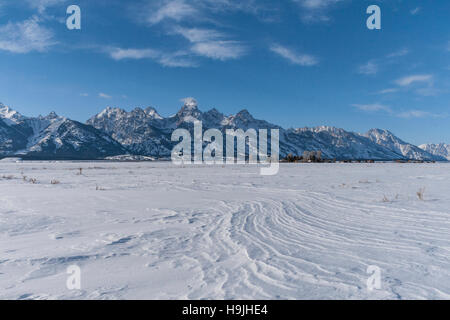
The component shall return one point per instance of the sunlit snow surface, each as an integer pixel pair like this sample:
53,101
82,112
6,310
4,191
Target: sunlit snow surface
156,231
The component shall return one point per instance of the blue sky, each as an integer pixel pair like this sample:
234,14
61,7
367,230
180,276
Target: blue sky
294,62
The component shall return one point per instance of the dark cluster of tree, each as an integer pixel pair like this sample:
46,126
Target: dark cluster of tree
414,161
308,156
315,157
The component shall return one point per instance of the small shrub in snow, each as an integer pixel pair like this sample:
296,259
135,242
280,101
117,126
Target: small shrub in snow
420,193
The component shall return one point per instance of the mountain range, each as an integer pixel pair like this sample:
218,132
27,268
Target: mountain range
52,138
144,134
441,150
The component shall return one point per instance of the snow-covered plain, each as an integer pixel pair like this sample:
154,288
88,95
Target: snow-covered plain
149,230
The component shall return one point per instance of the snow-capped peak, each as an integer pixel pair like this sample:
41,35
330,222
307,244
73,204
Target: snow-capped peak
10,116
244,115
52,115
115,113
152,113
328,129
144,132
389,140
190,103
189,112
441,149
109,112
380,133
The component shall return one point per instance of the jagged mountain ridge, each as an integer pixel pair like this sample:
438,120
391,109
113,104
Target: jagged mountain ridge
52,137
441,149
145,133
390,141
338,143
148,134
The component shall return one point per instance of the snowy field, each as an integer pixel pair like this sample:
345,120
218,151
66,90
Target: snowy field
156,231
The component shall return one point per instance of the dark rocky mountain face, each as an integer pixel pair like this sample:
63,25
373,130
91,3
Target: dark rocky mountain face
52,137
143,132
339,144
441,150
146,134
74,141
389,140
12,138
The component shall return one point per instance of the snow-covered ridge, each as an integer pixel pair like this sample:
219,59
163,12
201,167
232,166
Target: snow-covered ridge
10,116
389,140
150,136
118,112
144,132
52,137
441,150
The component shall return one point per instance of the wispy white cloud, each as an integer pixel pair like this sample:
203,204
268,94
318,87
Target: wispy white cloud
212,44
317,4
84,94
419,114
173,59
429,91
316,10
179,59
406,81
158,11
370,68
26,36
388,90
415,11
42,5
204,42
421,84
176,10
121,54
199,35
30,34
220,50
408,114
375,107
373,66
294,57
399,53
104,95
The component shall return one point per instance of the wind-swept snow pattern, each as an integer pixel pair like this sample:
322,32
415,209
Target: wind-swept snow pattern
151,230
